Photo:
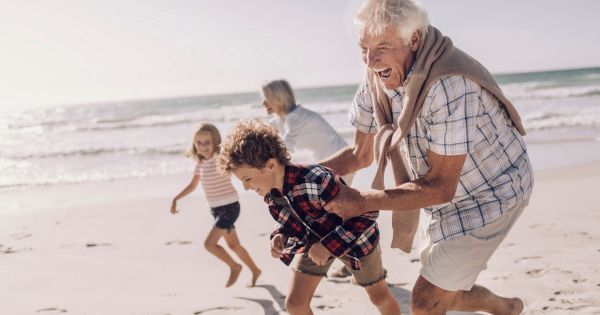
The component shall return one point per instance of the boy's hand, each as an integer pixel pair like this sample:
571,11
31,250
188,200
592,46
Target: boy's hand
319,254
277,245
348,203
174,207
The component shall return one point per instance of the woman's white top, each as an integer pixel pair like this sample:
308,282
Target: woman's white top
305,129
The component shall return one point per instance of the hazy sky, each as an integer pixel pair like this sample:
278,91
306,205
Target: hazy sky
58,52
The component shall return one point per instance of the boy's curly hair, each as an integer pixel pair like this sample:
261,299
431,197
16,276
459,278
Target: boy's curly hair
251,143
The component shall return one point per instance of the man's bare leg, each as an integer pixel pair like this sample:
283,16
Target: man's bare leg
429,299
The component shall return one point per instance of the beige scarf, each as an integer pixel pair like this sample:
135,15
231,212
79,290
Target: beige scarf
436,57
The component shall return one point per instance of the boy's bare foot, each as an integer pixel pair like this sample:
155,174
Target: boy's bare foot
255,274
234,273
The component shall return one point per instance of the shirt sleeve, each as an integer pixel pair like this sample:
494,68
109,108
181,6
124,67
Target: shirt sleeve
361,112
451,110
197,169
344,236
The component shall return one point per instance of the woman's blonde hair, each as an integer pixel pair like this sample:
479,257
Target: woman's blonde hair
251,143
216,140
281,92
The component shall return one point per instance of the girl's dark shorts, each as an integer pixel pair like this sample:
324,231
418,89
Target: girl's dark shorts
226,215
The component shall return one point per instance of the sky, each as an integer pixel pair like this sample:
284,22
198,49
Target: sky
68,52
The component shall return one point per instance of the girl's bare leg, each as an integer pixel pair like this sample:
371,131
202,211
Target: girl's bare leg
234,243
211,245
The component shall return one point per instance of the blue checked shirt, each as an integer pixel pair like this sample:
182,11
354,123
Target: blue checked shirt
459,117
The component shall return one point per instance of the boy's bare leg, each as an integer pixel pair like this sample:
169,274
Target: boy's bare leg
302,289
214,248
382,298
234,243
429,299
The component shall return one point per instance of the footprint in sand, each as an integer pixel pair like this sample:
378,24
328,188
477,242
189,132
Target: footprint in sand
220,308
535,272
563,292
52,309
21,235
579,280
527,258
97,244
10,250
325,307
178,242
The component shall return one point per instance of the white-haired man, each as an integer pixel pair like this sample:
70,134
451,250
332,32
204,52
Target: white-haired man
456,147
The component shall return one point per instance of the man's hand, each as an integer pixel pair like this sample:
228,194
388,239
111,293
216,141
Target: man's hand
319,254
277,245
348,203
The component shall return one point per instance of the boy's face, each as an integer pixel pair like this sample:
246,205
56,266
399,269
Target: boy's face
261,180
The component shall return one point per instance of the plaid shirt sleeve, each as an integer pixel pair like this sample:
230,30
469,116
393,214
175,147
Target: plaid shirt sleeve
361,112
452,107
341,240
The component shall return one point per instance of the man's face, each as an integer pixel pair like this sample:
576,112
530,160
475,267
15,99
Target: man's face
261,180
389,56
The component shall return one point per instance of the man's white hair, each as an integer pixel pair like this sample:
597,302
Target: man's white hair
406,16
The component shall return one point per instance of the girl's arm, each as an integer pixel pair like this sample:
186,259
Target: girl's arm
186,191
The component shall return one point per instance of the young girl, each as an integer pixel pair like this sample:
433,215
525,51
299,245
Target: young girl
222,199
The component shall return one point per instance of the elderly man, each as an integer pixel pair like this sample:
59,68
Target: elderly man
455,144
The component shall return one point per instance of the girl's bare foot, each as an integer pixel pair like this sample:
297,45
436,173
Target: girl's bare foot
234,273
255,274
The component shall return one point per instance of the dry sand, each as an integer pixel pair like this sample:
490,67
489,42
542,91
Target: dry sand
114,248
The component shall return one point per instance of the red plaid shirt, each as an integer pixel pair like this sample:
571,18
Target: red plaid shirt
299,211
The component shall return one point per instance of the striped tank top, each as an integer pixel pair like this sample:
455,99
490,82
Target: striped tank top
218,188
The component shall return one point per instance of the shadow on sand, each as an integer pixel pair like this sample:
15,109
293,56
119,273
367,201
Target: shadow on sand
270,307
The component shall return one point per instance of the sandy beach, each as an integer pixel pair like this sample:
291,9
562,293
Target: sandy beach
114,248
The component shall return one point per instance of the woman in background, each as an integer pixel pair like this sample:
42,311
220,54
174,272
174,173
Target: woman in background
302,128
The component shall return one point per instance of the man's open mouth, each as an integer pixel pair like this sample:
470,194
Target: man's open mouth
385,73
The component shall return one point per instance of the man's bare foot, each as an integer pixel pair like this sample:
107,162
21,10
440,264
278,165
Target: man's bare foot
516,306
255,274
234,273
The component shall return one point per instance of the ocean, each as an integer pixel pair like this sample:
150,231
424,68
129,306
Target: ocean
146,138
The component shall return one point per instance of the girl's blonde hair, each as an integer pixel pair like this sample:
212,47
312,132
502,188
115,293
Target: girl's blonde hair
216,140
281,92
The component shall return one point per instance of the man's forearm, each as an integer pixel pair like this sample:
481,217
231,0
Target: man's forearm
408,196
344,162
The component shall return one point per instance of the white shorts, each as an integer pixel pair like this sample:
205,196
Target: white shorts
455,264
